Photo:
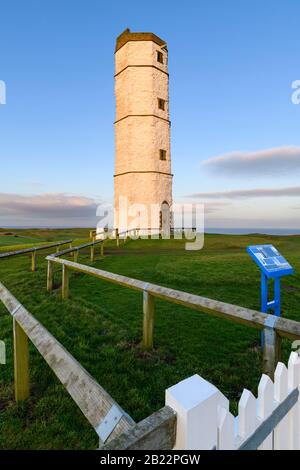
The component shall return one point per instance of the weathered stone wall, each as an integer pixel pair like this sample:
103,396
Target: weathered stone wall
143,188
138,140
140,53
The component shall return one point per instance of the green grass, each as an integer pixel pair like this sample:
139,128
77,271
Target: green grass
12,240
101,327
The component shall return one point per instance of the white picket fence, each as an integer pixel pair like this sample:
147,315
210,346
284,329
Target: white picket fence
272,419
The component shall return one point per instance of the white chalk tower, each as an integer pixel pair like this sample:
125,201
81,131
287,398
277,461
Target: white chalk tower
143,177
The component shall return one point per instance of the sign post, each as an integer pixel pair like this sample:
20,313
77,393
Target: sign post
272,266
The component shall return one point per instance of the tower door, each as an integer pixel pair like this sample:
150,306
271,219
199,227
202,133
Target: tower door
165,220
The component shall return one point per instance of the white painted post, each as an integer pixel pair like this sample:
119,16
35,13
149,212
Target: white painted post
226,437
247,420
293,382
282,431
196,403
265,406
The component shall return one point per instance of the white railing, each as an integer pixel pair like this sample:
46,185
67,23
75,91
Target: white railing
269,422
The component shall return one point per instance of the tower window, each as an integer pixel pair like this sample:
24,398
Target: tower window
161,104
160,57
162,154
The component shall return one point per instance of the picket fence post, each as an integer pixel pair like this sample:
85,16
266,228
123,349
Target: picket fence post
196,403
281,432
269,422
265,406
293,382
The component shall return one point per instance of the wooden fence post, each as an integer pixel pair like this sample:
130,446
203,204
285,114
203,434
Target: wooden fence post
92,253
117,237
272,346
33,261
76,256
50,276
71,245
21,363
102,249
65,282
148,320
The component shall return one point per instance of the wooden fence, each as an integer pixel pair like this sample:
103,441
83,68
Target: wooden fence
274,327
94,402
196,415
143,232
33,251
116,235
108,419
76,249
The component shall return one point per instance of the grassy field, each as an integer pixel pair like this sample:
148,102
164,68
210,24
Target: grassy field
26,238
11,240
101,326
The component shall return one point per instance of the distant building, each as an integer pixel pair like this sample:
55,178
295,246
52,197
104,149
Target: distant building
142,132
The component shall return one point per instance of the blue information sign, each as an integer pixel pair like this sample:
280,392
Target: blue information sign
272,265
270,261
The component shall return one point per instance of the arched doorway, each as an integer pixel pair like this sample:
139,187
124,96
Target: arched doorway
165,220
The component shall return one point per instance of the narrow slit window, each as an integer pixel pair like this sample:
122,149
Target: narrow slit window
160,57
162,154
161,104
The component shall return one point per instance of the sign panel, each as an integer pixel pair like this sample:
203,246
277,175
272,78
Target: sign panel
269,260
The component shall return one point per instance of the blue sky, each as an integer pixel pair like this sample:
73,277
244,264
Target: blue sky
231,64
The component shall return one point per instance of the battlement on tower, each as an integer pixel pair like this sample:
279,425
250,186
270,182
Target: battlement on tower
127,36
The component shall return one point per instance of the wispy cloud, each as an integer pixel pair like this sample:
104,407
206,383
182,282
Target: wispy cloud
271,161
209,207
249,193
52,205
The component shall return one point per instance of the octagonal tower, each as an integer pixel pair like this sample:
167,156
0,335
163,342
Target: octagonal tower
143,175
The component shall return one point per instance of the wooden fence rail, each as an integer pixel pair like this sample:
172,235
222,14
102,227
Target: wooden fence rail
95,403
33,251
115,234
196,414
274,327
76,249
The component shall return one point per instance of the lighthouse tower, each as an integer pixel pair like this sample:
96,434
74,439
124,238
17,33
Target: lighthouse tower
143,179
